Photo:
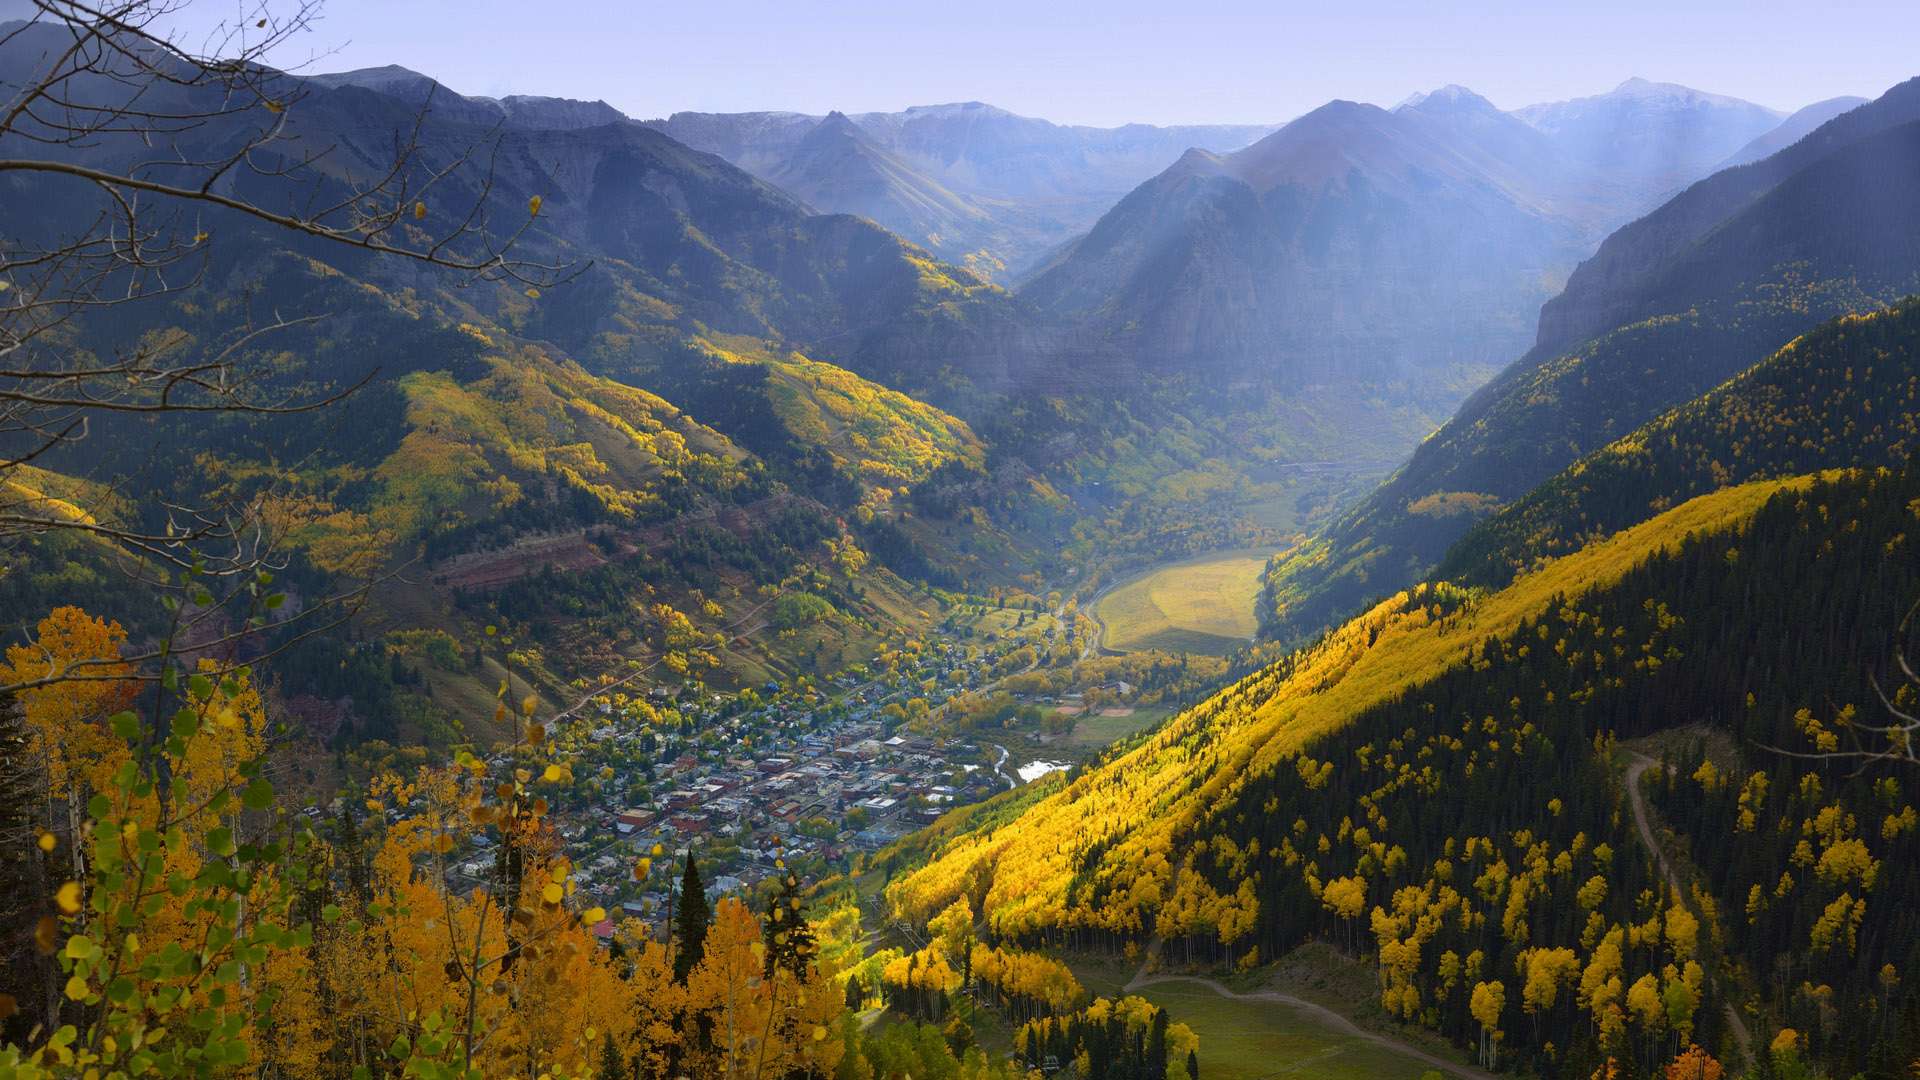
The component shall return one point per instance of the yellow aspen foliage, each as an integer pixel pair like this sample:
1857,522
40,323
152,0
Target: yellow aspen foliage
76,753
1840,921
1545,971
1683,932
1643,1001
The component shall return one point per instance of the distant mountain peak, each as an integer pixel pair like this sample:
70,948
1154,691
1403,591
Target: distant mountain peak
1450,97
836,125
1648,90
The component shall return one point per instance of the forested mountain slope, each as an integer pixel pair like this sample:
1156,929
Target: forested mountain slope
1827,239
499,459
1611,289
1434,784
1844,395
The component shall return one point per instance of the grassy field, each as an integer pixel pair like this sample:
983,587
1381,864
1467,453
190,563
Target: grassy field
1251,1040
1096,732
1203,605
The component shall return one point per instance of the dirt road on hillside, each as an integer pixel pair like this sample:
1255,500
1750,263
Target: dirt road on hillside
1641,821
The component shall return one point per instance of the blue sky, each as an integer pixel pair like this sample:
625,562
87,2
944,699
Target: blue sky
1113,61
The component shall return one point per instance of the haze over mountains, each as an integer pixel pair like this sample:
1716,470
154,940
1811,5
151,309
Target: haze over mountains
1352,244
1041,183
1670,306
1660,134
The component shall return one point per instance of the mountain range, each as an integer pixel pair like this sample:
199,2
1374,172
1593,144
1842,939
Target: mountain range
1671,305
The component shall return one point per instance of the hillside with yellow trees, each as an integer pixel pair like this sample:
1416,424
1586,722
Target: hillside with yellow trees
195,922
1434,786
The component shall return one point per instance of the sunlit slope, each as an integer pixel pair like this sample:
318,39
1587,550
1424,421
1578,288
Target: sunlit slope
881,435
1115,831
1844,395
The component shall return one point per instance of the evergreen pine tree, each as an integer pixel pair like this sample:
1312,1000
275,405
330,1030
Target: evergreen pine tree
1156,1054
856,994
612,1065
1884,1062
1193,1065
1096,1052
691,922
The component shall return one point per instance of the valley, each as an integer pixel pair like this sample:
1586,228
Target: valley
497,586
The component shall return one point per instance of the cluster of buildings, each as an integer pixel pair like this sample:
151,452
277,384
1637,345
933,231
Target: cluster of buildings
809,793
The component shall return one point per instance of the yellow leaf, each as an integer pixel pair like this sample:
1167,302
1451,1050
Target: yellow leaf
47,841
527,705
76,988
533,205
419,210
552,893
552,774
274,107
593,915
819,1033
68,897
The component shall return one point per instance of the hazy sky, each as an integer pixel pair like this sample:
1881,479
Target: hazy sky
1113,61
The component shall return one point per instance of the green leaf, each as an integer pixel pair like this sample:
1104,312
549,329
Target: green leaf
220,841
330,913
257,796
275,600
125,726
201,686
99,807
